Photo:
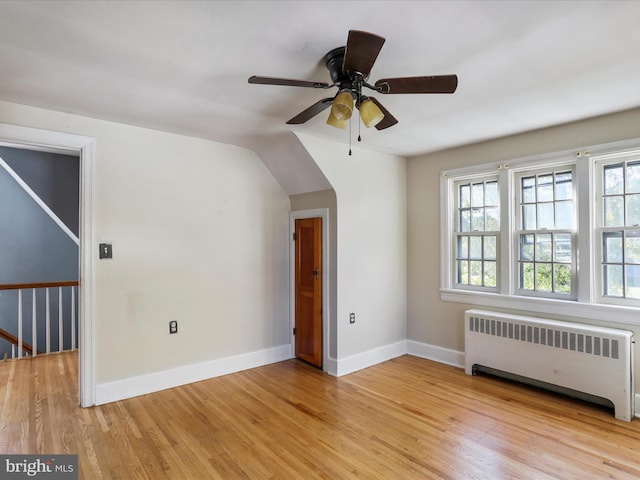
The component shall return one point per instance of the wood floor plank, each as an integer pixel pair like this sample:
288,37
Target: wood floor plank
407,418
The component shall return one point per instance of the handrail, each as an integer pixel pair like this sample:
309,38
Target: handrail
14,340
20,286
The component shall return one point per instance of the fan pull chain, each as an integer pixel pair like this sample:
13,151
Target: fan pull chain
359,122
349,136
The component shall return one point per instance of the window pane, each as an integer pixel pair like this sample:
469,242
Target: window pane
632,184
564,215
562,247
477,195
475,247
632,248
526,276
490,249
612,247
492,219
545,188
491,194
475,272
564,186
529,217
545,216
463,272
633,281
562,278
633,210
613,184
490,274
543,248
477,219
463,246
613,280
526,247
543,277
613,212
465,196
528,189
465,220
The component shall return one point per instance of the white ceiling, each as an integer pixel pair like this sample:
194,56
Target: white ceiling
183,66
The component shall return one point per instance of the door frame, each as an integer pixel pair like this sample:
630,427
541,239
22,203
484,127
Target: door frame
322,213
47,140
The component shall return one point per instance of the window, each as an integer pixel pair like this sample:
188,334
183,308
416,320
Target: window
558,234
478,223
545,260
619,229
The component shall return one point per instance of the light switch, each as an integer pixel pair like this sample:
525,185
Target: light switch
106,250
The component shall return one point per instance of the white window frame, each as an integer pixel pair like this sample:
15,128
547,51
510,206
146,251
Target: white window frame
516,230
599,162
587,303
456,232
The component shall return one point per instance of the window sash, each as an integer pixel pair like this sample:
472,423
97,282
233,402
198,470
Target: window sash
546,219
617,233
475,240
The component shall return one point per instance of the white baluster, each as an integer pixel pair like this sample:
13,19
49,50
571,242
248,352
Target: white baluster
34,330
73,318
60,330
48,321
20,323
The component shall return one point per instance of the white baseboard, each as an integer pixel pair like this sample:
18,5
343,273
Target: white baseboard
637,406
435,353
369,358
154,382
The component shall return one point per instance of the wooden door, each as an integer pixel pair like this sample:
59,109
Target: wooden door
308,290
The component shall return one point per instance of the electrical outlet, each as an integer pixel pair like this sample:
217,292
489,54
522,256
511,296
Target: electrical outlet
173,326
352,318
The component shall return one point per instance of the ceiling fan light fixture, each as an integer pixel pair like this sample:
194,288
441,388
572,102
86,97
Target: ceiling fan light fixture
370,114
342,107
334,122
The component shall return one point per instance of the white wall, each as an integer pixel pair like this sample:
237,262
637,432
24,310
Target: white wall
199,232
371,250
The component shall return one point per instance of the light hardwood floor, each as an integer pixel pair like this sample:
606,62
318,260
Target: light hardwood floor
408,418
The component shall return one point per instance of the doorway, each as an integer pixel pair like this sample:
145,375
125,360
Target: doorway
309,276
36,139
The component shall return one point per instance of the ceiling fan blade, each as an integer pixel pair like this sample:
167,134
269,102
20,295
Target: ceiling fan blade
286,82
311,112
388,120
361,52
433,84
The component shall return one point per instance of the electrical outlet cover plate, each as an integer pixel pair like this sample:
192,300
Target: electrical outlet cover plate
173,326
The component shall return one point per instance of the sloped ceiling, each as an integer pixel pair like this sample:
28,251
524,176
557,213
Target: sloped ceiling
183,67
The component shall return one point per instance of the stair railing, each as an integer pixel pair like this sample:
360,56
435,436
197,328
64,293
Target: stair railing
18,342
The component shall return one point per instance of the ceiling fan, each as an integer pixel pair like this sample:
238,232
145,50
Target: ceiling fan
349,68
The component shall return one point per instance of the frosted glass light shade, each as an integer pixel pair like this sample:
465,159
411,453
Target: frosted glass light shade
334,122
370,113
342,106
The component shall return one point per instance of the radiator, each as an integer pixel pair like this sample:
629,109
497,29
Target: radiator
596,361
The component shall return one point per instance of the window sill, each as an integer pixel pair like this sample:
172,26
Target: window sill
609,314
